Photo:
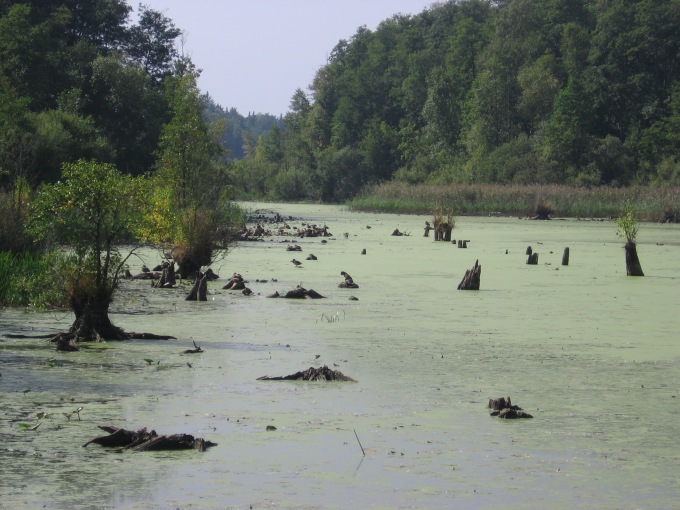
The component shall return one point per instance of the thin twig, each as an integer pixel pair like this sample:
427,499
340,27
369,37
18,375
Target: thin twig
362,448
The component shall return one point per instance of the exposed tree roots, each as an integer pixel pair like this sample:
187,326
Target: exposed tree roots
311,374
143,440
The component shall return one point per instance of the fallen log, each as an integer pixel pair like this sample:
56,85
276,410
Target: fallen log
143,440
311,374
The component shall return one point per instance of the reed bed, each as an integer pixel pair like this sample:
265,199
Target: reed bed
649,204
29,280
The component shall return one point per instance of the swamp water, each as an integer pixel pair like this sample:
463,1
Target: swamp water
591,353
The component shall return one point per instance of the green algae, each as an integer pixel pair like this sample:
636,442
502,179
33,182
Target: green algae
591,353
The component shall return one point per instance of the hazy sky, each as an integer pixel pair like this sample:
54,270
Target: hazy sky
255,53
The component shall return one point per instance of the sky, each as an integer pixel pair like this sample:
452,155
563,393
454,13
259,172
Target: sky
254,54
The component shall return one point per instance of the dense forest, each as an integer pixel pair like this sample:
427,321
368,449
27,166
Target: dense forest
579,92
81,80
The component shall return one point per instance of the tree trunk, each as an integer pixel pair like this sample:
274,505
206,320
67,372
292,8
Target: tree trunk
92,323
472,278
447,232
565,257
633,267
199,292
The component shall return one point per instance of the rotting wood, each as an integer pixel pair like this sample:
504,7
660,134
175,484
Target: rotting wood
633,266
472,278
311,374
503,408
144,440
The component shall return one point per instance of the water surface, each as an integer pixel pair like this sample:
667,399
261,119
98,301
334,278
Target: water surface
591,353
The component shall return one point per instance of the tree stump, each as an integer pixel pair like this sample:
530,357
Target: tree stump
428,227
565,257
448,229
472,278
533,259
311,374
633,267
143,440
199,292
529,250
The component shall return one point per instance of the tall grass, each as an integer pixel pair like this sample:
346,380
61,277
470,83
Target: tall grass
31,280
648,203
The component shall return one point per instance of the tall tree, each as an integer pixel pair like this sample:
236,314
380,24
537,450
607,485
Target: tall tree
192,186
151,43
93,209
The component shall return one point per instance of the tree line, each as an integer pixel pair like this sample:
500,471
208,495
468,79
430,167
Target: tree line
579,92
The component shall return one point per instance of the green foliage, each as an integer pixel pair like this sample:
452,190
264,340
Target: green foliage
78,81
561,91
190,209
32,280
627,224
93,209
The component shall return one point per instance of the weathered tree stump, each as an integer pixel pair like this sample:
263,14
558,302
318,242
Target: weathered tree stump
472,278
565,257
301,293
348,283
143,440
199,292
533,259
311,374
633,267
236,282
529,250
448,229
504,409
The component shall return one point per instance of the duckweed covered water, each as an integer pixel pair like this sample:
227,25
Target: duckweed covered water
591,353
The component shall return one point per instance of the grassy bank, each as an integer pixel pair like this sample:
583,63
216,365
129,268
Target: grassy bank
649,204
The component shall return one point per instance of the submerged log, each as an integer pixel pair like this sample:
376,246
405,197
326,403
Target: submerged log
143,440
311,374
472,278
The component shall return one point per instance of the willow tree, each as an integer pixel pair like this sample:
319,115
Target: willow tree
191,199
92,210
